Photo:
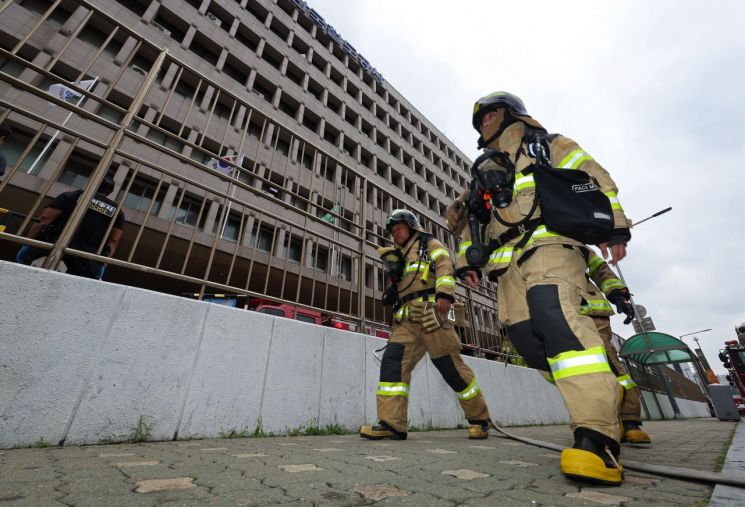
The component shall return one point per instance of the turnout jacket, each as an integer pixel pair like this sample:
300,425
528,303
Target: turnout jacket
435,263
564,153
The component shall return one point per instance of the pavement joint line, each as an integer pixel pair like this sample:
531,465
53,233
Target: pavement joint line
381,459
441,451
127,464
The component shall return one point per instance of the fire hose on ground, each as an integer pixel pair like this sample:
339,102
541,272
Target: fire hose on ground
686,474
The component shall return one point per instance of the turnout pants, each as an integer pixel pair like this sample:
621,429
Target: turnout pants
406,347
540,300
631,409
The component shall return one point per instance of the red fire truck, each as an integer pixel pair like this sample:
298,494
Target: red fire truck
733,359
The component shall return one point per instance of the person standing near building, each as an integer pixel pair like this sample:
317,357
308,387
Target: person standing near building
541,281
89,234
5,132
423,295
597,306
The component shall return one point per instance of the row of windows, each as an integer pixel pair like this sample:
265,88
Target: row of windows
238,70
96,37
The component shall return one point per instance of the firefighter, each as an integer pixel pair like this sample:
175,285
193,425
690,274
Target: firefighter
597,306
423,321
541,282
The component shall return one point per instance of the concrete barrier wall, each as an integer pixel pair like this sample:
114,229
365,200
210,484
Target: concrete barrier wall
83,362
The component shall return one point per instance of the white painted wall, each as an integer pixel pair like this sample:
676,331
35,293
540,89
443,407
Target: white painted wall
82,361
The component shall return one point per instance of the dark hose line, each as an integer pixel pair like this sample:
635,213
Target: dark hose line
686,474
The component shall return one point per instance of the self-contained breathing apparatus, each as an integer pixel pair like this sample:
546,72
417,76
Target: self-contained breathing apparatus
571,203
394,264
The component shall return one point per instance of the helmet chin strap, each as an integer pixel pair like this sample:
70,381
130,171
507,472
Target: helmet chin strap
506,122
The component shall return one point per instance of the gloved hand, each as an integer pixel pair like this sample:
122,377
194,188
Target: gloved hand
622,299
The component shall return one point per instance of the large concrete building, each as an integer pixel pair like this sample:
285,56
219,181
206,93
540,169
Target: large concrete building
255,150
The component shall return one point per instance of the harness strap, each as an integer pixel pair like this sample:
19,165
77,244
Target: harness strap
416,295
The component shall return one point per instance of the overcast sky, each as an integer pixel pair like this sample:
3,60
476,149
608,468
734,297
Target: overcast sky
654,91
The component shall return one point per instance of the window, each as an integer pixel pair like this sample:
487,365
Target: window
320,257
188,211
266,239
205,49
305,318
77,170
165,140
140,196
345,267
292,248
137,6
229,229
15,144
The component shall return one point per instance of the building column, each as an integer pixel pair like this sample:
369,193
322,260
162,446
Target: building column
168,198
248,226
189,37
209,222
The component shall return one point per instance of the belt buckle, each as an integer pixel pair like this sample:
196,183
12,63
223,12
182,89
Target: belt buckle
521,229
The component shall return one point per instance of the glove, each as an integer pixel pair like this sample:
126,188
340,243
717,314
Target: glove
622,299
620,237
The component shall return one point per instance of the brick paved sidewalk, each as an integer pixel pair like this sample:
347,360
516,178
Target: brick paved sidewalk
431,468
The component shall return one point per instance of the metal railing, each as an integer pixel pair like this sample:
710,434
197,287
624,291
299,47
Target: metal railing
218,195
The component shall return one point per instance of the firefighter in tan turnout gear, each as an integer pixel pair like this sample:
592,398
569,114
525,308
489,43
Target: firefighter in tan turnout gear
424,315
541,272
597,306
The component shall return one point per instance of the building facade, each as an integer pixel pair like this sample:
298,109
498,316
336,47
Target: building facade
254,149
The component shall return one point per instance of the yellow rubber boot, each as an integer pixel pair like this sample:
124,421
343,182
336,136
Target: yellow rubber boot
478,432
633,434
379,432
590,461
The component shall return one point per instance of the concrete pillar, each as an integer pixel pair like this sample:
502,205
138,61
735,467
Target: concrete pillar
239,116
248,224
300,113
119,177
283,66
221,59
234,27
206,99
280,234
171,190
189,37
192,138
251,79
260,48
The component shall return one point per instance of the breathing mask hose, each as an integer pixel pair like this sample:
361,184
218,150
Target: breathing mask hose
476,253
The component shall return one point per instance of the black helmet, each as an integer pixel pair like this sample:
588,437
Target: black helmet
107,186
493,101
398,216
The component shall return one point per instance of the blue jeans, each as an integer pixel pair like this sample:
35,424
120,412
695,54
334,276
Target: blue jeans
27,254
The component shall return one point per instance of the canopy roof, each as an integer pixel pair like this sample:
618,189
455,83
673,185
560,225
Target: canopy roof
655,348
